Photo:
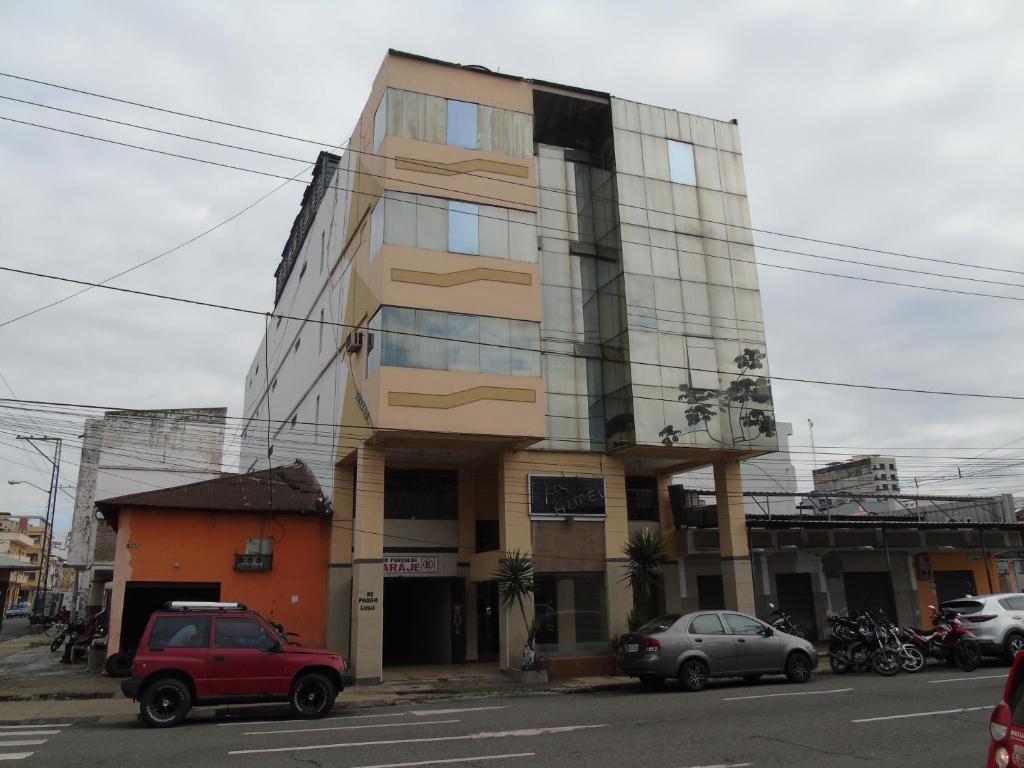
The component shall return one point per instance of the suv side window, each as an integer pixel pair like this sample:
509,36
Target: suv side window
180,632
707,624
1013,603
742,625
242,632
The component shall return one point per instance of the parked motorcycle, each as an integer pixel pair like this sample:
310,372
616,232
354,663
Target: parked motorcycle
857,645
783,622
949,640
911,658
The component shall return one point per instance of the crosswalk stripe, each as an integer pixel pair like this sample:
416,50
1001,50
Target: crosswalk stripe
22,743
450,760
15,755
26,727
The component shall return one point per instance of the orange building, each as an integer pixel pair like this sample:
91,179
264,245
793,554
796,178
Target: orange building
260,538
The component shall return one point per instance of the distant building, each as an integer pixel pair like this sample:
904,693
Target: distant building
773,473
16,544
128,452
868,474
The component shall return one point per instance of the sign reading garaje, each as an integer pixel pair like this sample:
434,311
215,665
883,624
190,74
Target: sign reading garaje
410,565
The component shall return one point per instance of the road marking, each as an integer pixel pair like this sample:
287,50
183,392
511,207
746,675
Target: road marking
22,743
414,713
448,761
796,693
5,734
523,732
962,679
15,755
724,765
922,714
352,727
24,727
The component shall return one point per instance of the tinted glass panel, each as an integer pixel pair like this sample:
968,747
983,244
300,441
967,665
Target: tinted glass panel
232,632
462,124
660,624
743,625
180,632
707,624
966,607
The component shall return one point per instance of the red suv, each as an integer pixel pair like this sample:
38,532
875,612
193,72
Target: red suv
195,654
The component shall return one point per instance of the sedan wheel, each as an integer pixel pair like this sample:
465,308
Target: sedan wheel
694,675
798,668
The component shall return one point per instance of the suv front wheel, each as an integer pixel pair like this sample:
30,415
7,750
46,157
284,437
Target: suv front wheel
312,695
165,703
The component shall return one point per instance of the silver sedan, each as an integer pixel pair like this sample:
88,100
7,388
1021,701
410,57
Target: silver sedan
697,646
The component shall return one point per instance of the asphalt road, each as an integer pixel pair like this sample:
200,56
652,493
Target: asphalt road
13,628
833,720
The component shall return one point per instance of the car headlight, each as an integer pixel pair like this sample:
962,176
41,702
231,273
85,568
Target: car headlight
1002,757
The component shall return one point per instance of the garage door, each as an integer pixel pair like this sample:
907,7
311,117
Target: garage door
870,590
949,585
796,597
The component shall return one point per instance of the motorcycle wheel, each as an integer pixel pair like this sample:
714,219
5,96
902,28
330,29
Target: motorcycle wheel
911,658
58,641
838,667
54,628
799,630
885,662
967,655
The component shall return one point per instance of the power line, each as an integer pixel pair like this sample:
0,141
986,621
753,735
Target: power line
245,310
854,262
775,233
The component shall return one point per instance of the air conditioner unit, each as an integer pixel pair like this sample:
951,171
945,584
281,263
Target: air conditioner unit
353,343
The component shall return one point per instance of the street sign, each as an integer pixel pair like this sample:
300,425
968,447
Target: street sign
410,565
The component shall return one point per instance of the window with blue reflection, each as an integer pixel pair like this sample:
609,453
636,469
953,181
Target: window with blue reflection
681,168
462,124
463,227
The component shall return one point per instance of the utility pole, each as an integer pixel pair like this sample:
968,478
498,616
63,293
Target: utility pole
814,453
43,583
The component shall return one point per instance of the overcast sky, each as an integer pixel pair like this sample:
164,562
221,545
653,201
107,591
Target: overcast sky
894,125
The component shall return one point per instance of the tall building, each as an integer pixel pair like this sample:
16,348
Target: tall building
862,474
504,304
17,544
128,452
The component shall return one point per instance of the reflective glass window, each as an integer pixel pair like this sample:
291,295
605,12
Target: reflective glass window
463,227
495,341
464,346
399,329
462,124
430,345
680,163
743,625
524,357
380,121
707,624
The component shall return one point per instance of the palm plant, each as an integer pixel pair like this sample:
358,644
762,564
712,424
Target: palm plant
515,585
645,556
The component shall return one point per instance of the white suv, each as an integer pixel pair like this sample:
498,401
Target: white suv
996,620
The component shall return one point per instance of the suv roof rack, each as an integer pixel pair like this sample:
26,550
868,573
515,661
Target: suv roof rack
198,605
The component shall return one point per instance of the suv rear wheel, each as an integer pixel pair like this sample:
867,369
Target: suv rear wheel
1014,645
312,695
165,703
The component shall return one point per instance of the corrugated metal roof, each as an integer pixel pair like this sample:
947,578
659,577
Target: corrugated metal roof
12,564
289,489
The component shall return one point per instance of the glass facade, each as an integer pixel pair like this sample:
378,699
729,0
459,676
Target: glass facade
437,224
464,124
445,341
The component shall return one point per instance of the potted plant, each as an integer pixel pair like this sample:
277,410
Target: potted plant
645,557
515,585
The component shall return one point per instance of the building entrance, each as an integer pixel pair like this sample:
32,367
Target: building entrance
424,621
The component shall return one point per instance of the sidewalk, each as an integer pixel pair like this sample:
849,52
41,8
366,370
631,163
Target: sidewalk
34,685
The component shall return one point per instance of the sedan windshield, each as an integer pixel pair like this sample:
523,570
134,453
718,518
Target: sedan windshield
660,624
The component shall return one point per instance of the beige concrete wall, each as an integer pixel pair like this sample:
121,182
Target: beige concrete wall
339,574
367,573
737,575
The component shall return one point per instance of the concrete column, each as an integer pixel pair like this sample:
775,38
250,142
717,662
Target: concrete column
339,569
618,596
367,566
671,581
472,647
515,533
737,576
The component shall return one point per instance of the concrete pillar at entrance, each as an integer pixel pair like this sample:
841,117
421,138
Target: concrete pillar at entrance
737,576
671,578
514,530
339,572
367,566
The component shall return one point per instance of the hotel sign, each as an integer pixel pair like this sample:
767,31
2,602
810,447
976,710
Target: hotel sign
567,496
410,565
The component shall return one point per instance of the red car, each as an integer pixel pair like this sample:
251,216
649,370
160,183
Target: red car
1007,724
196,654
